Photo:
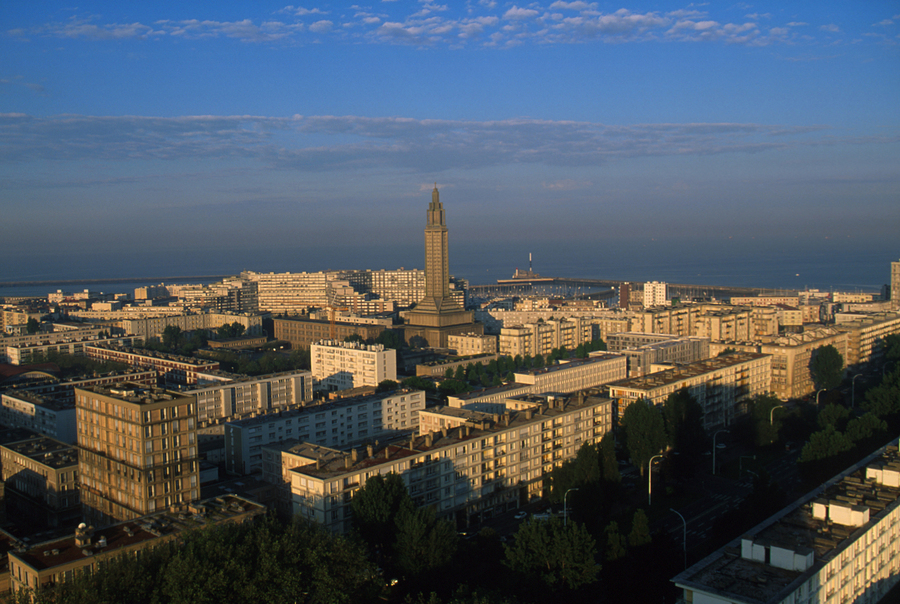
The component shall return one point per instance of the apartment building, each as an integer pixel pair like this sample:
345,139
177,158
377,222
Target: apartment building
22,408
340,365
840,543
440,367
339,423
303,332
543,337
474,466
24,354
721,385
644,350
865,334
170,368
152,327
654,294
468,344
236,396
61,560
791,355
138,451
49,337
41,478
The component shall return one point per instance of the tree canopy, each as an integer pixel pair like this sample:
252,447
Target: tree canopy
826,367
645,433
563,557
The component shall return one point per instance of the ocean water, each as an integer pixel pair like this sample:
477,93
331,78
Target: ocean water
770,267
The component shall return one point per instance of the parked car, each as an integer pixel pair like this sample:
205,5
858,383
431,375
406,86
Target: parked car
521,514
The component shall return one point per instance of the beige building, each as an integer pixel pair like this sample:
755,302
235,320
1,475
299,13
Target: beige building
654,294
721,385
644,351
475,464
339,423
340,365
544,336
47,415
138,451
468,344
171,368
41,476
62,560
865,333
151,327
303,333
24,354
238,396
791,354
839,544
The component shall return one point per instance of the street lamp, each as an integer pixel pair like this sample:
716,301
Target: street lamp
772,414
684,539
714,449
853,391
565,508
650,479
817,396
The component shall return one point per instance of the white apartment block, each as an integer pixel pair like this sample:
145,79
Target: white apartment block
339,423
472,344
838,544
643,350
472,465
791,354
573,376
238,396
24,354
42,414
721,385
654,294
342,365
544,336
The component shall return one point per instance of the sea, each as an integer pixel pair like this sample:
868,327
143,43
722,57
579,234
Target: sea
771,267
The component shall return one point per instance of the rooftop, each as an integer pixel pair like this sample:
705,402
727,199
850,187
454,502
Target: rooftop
135,393
47,451
684,372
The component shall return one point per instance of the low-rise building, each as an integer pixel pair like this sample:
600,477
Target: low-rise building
21,408
41,476
644,350
303,333
25,354
62,560
721,385
543,337
840,543
338,423
341,365
469,344
474,466
170,368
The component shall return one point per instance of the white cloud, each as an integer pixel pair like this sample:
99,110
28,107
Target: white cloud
321,26
831,28
516,13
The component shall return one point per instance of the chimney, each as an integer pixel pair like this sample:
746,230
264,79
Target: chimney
370,450
83,535
319,463
444,431
529,413
429,439
347,462
354,455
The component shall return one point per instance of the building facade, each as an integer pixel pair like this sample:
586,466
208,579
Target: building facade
170,368
340,365
303,333
238,396
468,344
543,337
654,294
138,451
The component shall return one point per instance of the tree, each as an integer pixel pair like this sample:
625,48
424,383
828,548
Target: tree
609,466
423,542
417,382
640,529
387,386
584,468
32,325
684,422
390,338
561,556
460,373
171,336
355,337
833,415
825,444
615,542
645,434
826,367
376,507
448,374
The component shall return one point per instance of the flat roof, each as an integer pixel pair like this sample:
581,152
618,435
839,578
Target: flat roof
47,451
683,372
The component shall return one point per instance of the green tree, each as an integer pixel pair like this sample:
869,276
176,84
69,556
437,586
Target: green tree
684,422
376,507
833,415
609,466
460,373
824,444
645,434
640,529
391,338
561,556
32,325
423,542
387,386
171,337
448,374
826,367
355,337
584,468
418,382
615,542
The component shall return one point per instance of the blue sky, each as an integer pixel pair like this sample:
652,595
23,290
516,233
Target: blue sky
192,126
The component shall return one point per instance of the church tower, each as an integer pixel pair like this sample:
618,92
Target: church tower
438,315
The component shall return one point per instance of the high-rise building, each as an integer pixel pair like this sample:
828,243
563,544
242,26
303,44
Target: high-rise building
342,365
895,285
654,294
138,451
438,315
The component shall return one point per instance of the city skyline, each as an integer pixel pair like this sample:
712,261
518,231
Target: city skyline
175,128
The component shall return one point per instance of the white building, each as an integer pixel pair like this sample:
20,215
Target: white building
46,415
542,337
237,395
342,365
340,423
838,544
654,294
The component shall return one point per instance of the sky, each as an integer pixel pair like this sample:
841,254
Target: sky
286,137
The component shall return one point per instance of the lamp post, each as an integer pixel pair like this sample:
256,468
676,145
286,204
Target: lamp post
817,397
565,507
772,414
714,449
853,391
650,479
684,539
